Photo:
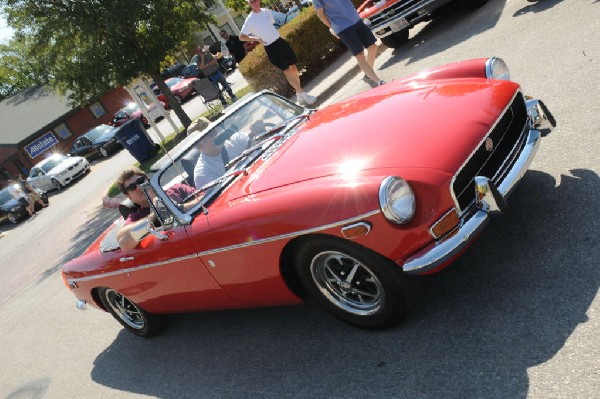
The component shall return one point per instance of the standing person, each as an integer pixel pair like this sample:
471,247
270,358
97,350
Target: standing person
32,194
209,65
234,45
343,22
258,27
17,193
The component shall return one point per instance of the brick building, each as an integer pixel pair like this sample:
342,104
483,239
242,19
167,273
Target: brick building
38,122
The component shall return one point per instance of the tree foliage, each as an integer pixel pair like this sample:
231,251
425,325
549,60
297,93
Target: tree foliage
20,68
91,46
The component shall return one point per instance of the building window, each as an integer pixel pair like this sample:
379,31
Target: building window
97,110
239,20
63,131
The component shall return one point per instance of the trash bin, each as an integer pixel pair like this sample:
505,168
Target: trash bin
135,139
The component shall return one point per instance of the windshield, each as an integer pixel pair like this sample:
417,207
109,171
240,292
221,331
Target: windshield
172,82
4,196
216,156
51,162
97,132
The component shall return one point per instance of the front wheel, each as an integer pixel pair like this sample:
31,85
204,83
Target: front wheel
354,284
396,39
13,218
56,184
131,316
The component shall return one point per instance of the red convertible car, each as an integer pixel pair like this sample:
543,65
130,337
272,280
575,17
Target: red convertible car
340,204
133,111
182,88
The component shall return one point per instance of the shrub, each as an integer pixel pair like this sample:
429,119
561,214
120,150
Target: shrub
312,43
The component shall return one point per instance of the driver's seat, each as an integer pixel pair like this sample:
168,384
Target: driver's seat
127,207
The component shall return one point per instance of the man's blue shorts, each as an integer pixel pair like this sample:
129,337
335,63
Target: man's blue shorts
357,37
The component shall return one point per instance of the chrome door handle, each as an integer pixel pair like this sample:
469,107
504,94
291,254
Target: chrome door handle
126,258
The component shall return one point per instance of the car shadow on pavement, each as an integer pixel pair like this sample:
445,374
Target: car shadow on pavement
98,221
453,26
508,304
536,7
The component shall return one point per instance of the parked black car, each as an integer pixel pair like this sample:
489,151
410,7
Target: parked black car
96,142
172,71
192,71
12,210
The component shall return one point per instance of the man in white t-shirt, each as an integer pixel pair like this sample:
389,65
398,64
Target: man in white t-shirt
258,27
216,150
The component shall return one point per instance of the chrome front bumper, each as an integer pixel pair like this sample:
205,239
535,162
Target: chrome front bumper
407,18
489,199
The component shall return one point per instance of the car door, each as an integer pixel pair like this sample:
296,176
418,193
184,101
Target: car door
38,179
165,276
242,257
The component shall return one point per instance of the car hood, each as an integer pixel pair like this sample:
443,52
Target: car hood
8,205
433,125
66,164
106,136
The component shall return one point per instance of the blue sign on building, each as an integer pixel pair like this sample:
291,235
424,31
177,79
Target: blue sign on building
41,144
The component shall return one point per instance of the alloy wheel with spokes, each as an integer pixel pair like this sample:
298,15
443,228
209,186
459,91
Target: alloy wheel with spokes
130,315
347,283
353,283
125,309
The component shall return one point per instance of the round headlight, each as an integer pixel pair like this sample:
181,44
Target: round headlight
496,68
396,199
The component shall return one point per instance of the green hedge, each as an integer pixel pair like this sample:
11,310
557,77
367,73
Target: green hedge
315,47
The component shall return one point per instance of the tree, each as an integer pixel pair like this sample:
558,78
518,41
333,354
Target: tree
19,69
95,45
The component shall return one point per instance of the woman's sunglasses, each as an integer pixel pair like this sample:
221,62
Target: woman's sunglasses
135,184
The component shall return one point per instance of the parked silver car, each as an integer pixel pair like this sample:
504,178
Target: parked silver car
57,171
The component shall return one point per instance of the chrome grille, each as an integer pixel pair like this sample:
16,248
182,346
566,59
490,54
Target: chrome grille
508,137
399,8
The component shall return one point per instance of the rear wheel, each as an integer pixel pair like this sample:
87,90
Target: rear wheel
354,284
131,316
396,39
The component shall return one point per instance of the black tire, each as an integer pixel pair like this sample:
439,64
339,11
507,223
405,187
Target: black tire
56,185
396,39
376,296
131,316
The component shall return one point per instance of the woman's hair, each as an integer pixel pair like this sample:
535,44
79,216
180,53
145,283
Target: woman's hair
127,174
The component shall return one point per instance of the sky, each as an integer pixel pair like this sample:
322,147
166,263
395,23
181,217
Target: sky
5,31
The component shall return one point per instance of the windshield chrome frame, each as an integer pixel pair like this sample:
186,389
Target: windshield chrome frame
187,217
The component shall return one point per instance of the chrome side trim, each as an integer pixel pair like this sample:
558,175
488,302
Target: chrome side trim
291,235
229,248
131,269
438,253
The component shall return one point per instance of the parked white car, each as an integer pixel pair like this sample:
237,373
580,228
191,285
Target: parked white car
57,171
